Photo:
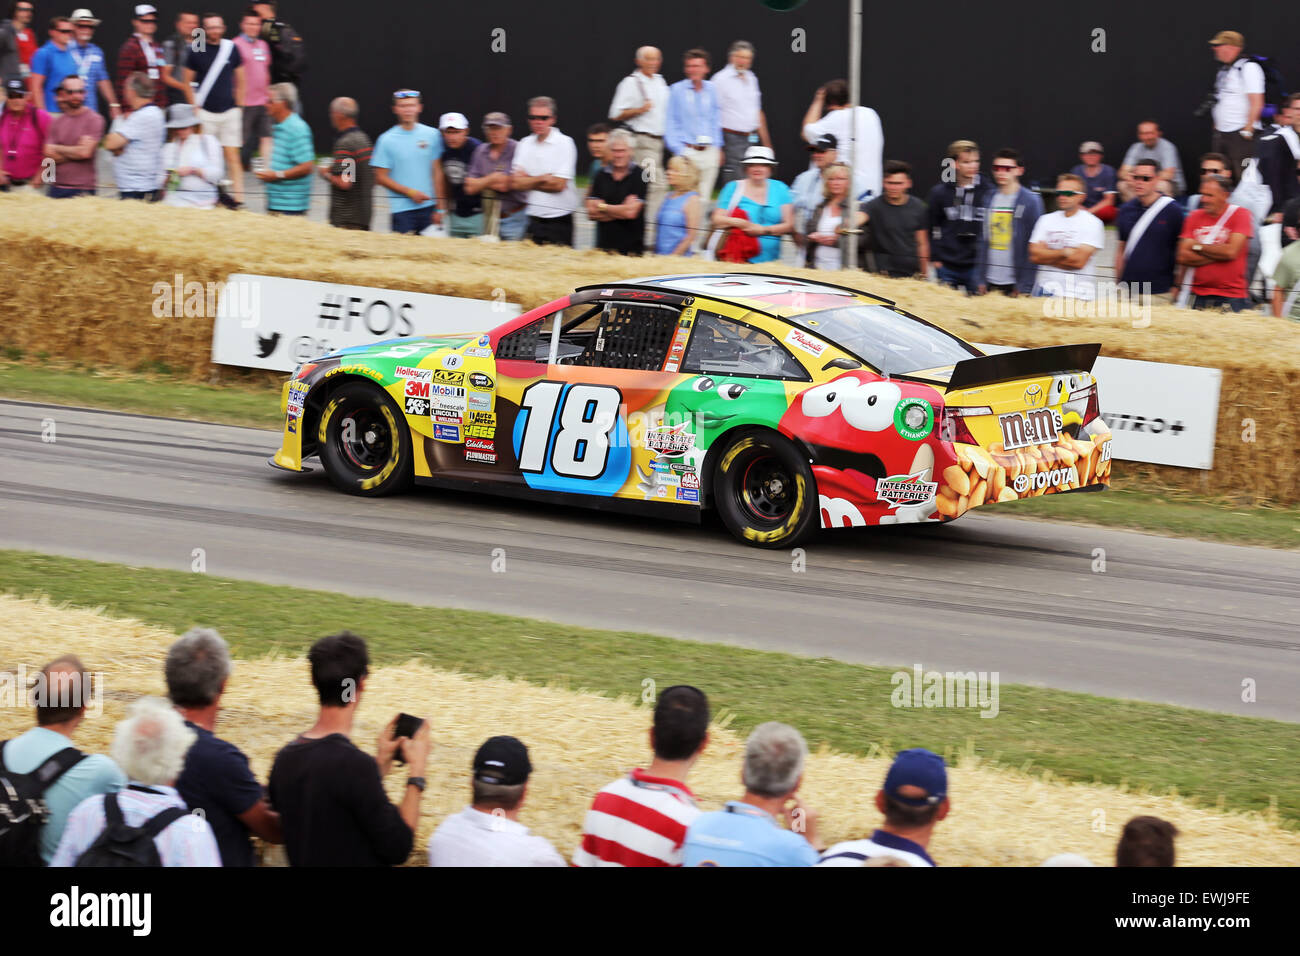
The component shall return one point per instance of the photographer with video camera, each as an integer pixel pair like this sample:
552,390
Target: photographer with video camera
288,55
1237,101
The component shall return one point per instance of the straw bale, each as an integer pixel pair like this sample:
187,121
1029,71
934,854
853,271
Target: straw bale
580,741
80,275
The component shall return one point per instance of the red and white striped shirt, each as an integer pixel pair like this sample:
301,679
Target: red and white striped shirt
637,820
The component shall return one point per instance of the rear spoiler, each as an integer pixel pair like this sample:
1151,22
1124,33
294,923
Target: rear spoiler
1025,363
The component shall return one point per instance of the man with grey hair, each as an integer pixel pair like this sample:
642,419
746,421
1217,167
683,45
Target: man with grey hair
488,832
288,181
616,203
136,140
150,746
745,832
349,175
544,167
740,110
216,778
640,105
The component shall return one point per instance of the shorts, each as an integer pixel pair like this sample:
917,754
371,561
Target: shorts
412,220
227,127
466,227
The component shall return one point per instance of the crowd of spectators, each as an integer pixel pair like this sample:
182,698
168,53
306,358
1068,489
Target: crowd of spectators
656,159
173,793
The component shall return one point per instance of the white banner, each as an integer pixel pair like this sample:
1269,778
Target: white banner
1159,413
273,323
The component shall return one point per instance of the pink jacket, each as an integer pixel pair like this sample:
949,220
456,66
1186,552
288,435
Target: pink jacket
22,141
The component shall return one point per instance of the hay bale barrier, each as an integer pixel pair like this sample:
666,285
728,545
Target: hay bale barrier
580,741
77,281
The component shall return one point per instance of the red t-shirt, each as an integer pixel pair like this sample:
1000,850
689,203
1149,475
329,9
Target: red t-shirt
1228,278
26,45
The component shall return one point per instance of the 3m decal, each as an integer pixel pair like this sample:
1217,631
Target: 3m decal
417,389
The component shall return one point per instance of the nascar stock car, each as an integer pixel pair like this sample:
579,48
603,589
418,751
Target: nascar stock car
785,404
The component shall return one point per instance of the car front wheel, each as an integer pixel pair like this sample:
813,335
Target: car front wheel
365,444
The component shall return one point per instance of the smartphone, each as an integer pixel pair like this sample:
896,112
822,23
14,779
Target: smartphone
407,726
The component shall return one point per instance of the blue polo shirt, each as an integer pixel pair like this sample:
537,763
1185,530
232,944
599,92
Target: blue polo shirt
1152,259
95,774
741,834
217,778
92,67
408,155
291,146
54,64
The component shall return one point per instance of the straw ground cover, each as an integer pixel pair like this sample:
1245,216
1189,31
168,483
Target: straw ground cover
1218,760
579,741
1130,504
99,262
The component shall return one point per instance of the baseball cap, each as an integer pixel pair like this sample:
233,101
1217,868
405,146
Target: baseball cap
917,767
145,10
1228,38
1091,146
496,119
15,84
502,761
759,154
84,16
824,142
453,121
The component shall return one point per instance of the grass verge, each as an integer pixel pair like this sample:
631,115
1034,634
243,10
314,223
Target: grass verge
1239,763
257,404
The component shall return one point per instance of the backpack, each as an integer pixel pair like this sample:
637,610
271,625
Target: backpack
22,806
1274,86
122,845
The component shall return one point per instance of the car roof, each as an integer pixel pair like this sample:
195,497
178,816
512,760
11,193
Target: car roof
765,292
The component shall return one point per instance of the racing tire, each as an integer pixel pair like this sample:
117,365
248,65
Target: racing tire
765,491
365,444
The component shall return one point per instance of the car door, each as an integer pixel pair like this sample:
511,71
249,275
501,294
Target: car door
582,421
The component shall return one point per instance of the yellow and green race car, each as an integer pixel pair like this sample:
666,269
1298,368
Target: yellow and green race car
785,404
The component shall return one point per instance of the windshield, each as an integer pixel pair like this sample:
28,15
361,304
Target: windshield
885,339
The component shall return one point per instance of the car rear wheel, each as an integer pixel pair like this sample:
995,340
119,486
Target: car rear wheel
764,491
365,444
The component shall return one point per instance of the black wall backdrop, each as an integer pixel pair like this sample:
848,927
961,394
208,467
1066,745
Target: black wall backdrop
1039,77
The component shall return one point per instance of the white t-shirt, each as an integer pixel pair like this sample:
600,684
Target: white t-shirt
202,152
475,838
136,168
1233,86
828,257
554,156
1056,230
867,848
869,145
633,91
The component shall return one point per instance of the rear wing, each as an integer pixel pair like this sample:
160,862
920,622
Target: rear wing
1025,363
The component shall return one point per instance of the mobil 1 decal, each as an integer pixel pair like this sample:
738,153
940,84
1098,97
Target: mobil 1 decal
572,438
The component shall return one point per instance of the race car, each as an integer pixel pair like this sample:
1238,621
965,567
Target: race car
784,404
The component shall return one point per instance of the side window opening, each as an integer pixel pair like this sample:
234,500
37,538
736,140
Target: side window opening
722,346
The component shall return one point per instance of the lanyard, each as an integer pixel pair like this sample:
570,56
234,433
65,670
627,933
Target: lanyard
149,55
82,68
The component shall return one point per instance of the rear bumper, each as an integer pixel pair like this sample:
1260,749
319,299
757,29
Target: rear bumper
981,476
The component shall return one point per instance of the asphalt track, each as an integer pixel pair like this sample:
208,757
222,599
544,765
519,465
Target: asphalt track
1169,620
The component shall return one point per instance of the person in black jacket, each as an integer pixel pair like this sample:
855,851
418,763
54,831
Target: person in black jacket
1278,154
288,56
957,215
330,794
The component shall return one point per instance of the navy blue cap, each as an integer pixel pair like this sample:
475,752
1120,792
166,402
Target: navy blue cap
921,768
503,761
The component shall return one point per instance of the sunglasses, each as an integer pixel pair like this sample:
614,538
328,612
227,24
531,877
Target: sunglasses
406,95
61,30
1005,169
1068,192
1144,179
67,92
1207,171
538,119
